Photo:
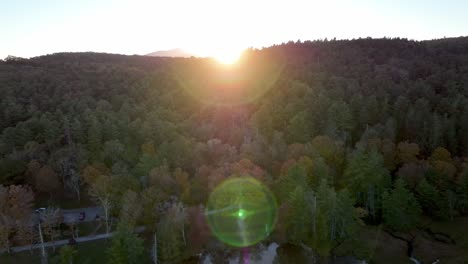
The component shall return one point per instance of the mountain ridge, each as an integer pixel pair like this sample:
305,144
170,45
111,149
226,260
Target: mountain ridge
177,52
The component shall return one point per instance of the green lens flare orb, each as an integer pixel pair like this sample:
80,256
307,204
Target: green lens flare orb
241,212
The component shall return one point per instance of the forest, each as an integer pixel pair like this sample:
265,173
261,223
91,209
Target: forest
355,139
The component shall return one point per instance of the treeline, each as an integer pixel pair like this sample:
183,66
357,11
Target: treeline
363,131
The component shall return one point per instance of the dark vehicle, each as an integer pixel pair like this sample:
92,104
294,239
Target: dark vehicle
71,242
39,212
82,216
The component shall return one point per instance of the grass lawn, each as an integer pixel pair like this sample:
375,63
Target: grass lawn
457,229
21,258
377,246
373,244
88,253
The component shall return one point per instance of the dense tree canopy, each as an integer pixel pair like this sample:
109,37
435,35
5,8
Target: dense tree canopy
326,125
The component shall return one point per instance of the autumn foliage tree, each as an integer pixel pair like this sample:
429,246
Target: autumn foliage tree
16,203
47,180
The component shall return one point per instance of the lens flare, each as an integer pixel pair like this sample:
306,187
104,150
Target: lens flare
212,83
241,212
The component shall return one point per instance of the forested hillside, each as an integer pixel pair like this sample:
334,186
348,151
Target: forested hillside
348,135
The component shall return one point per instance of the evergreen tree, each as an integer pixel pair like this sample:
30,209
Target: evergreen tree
339,114
462,191
126,247
170,241
301,222
145,164
95,139
286,184
77,133
299,129
401,210
67,254
428,197
367,179
335,218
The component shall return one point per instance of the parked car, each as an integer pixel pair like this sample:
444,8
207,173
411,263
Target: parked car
82,216
40,210
39,213
72,241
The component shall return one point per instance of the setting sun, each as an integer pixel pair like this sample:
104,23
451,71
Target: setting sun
227,57
224,54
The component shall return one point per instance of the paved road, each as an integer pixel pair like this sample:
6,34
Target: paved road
90,213
65,241
79,215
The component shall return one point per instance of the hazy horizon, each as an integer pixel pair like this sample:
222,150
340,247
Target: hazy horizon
208,55
211,28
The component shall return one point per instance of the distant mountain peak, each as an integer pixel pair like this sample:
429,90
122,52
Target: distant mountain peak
171,53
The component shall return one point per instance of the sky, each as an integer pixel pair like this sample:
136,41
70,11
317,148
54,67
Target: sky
214,27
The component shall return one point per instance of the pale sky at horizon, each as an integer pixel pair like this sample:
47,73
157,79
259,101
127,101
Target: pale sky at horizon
209,27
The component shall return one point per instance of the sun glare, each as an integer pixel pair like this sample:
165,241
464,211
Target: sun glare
224,53
227,58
